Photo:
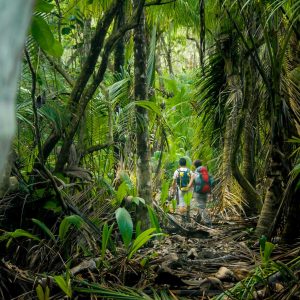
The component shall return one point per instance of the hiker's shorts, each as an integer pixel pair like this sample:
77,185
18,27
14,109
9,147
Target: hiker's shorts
200,199
181,198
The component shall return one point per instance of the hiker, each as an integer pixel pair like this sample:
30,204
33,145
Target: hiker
202,182
181,179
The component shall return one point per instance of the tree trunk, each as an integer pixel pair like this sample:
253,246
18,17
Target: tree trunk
142,135
250,204
120,45
84,94
274,193
159,69
291,229
231,85
279,154
240,106
14,20
118,68
168,51
226,168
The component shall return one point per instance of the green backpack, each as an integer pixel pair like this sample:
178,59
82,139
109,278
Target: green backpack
183,179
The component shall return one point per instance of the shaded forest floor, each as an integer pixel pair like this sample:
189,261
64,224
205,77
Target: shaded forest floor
197,262
191,261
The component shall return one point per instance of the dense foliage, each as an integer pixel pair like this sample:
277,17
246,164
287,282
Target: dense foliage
110,96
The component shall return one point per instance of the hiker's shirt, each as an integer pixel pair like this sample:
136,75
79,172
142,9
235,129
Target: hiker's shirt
180,192
181,169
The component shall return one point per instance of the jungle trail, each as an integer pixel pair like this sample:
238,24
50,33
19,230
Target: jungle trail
149,149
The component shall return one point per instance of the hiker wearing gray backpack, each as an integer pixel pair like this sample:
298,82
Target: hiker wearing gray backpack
181,179
202,182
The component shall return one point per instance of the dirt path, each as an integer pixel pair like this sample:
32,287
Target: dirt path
195,260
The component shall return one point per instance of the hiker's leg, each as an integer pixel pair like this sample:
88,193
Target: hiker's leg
201,200
205,217
177,195
181,204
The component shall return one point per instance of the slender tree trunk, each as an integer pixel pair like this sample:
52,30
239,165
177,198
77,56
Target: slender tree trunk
14,20
202,33
159,69
168,51
118,67
142,135
82,132
120,45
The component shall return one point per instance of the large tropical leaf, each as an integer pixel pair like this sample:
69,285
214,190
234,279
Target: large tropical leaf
125,225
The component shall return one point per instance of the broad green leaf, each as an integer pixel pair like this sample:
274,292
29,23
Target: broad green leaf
122,191
125,225
164,192
61,282
41,32
269,247
138,228
142,239
40,192
157,155
53,205
56,49
262,242
47,292
18,233
40,292
67,222
153,218
138,200
106,233
45,228
43,6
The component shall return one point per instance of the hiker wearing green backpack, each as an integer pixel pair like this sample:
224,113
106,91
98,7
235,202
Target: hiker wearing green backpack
202,182
181,179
